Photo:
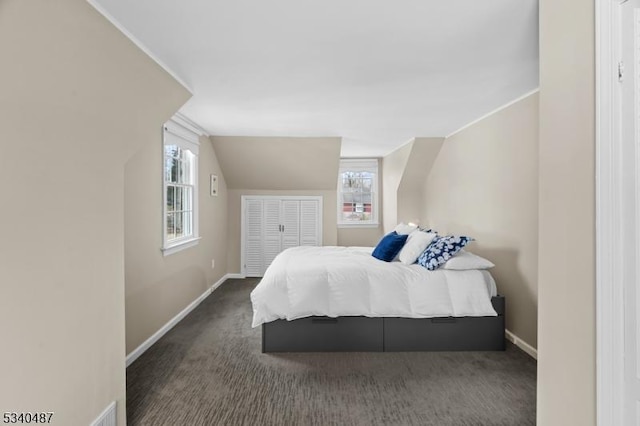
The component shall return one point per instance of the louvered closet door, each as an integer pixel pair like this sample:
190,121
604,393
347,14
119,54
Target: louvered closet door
272,242
309,223
290,223
254,265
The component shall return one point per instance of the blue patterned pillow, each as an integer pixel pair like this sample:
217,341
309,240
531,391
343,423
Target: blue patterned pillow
389,246
442,249
429,230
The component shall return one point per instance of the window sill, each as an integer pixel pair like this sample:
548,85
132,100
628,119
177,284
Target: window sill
179,246
358,225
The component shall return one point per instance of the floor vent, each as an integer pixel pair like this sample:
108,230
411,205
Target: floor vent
107,417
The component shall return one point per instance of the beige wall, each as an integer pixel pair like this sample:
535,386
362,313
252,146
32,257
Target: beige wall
277,166
484,183
285,166
359,237
77,99
329,230
159,287
393,166
410,206
566,353
405,172
424,153
274,163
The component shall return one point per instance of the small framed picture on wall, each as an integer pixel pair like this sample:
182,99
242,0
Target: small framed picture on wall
214,185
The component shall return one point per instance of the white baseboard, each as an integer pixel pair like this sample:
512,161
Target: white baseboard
219,282
236,276
530,350
107,417
175,320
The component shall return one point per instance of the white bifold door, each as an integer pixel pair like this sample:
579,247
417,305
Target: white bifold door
272,224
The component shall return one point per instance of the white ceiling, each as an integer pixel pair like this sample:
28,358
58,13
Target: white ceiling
374,72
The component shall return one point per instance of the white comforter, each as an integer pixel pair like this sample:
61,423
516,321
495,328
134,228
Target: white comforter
348,281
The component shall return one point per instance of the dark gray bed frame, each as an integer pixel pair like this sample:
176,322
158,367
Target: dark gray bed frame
364,334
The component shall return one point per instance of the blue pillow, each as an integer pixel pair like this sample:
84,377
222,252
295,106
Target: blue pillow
440,250
389,246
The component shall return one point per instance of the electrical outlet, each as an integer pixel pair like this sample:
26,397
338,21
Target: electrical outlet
213,263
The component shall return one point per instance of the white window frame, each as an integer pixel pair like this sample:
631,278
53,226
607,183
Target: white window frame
359,165
176,134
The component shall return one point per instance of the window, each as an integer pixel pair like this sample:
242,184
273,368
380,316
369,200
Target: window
357,193
180,188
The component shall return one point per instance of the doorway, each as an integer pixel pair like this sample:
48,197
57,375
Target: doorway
618,211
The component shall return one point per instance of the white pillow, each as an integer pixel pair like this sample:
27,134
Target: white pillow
403,229
415,245
464,260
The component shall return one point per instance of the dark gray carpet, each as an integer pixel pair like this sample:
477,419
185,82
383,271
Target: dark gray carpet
209,370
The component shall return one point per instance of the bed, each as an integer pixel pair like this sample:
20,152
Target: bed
343,299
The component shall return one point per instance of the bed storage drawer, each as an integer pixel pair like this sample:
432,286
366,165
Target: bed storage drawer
444,334
323,334
447,334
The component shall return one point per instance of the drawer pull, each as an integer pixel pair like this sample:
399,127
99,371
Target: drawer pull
324,320
444,320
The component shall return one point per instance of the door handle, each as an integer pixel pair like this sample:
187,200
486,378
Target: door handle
444,320
324,320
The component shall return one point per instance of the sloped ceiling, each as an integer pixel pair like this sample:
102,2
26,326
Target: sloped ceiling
276,163
376,73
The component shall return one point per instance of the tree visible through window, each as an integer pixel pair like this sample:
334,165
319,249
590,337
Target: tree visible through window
180,176
180,183
357,183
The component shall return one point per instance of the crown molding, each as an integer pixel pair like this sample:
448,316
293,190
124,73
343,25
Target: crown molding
187,123
500,108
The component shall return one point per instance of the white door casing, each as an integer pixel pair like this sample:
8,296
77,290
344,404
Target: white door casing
629,96
617,212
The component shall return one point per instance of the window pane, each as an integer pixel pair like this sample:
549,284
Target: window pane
171,234
356,191
356,207
175,165
187,173
170,150
175,176
183,177
347,181
366,184
187,201
187,223
170,198
179,225
167,168
171,153
179,198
